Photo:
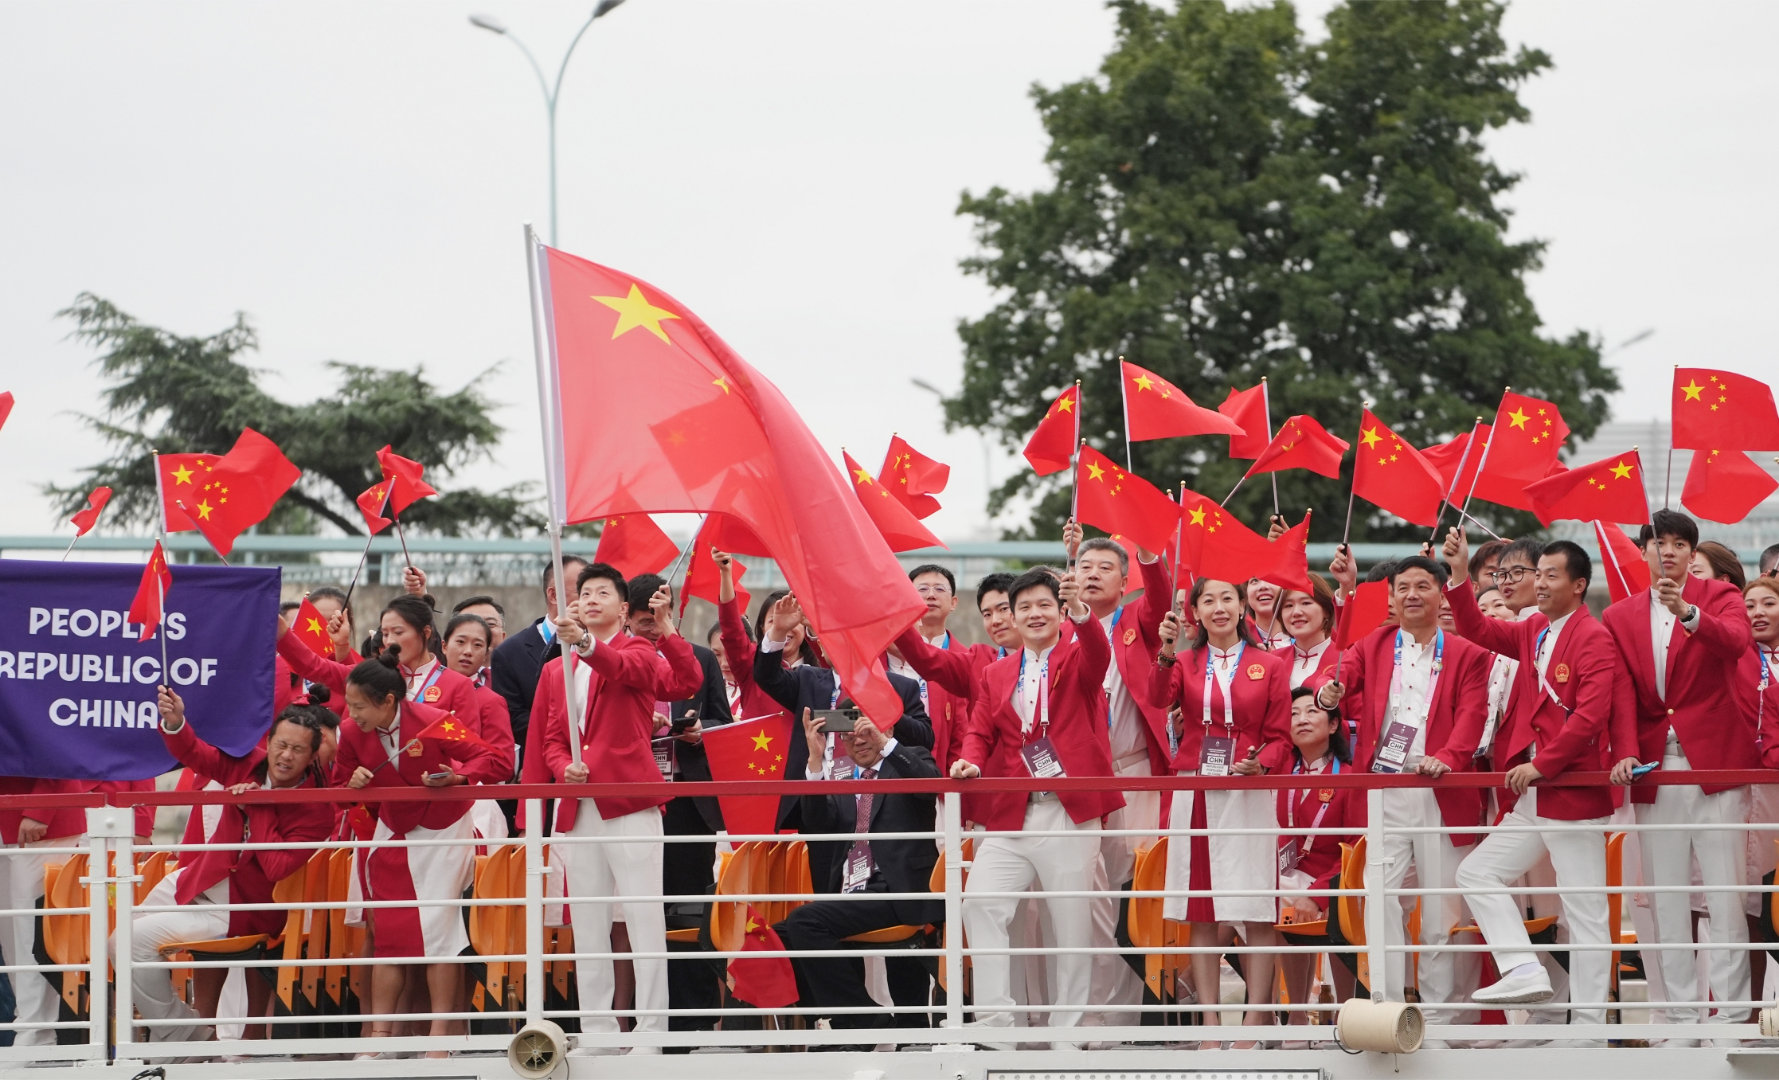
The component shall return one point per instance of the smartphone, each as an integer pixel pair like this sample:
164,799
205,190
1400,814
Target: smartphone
438,775
1645,769
684,723
842,720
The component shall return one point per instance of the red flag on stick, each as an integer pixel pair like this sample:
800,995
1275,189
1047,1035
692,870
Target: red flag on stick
1391,474
702,432
403,475
1725,485
371,504
912,478
1720,410
1213,544
1623,565
1520,451
1447,457
1119,502
1052,445
1157,409
84,520
157,582
1248,408
635,545
238,491
1607,490
751,749
5,406
1302,443
183,477
765,982
1364,611
310,628
702,577
899,526
452,731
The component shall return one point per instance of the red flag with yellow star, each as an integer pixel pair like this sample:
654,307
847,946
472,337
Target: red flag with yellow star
635,545
1302,443
1249,409
1052,445
1157,409
913,478
310,628
1213,544
1521,450
237,491
1606,490
453,732
181,478
1725,485
751,749
1720,410
1390,474
899,526
1117,501
403,476
84,520
1621,563
669,419
765,982
151,594
372,501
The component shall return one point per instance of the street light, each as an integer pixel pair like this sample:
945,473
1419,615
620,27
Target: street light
551,93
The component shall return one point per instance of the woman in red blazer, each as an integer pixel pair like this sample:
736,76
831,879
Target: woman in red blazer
1309,618
1757,683
1234,706
407,630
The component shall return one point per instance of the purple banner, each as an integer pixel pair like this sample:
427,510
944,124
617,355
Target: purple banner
77,690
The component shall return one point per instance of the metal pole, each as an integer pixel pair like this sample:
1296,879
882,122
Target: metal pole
124,877
951,813
534,910
1667,485
1266,403
1482,462
1375,956
1452,488
1124,398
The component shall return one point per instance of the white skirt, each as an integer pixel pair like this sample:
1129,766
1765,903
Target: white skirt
1237,862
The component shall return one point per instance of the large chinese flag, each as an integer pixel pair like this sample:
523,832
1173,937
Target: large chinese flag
750,749
1725,485
1521,450
667,418
236,491
1607,490
1213,544
1157,409
912,477
1720,410
1248,408
1625,569
900,528
1391,474
1302,443
1118,502
1052,445
635,545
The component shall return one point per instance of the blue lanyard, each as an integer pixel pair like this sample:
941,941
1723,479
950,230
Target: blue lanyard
548,630
427,685
1438,650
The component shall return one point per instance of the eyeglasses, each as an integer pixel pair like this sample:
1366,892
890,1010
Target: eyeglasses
932,590
1514,574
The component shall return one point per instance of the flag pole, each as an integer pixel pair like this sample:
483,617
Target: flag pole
1482,462
1266,404
550,417
1075,472
1611,556
1637,453
160,540
1124,397
1452,488
366,553
689,548
1668,484
1243,480
1346,531
69,550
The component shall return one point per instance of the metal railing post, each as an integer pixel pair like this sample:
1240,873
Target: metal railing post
952,813
123,881
534,910
103,824
1375,955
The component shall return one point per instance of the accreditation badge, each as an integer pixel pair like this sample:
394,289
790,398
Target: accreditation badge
1041,760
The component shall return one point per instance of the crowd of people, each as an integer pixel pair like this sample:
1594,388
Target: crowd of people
1489,661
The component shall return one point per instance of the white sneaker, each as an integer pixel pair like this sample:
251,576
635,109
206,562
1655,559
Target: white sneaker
1525,985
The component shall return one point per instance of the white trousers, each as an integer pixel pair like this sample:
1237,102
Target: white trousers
1434,860
617,870
1011,864
1722,858
21,886
1579,860
1117,988
201,920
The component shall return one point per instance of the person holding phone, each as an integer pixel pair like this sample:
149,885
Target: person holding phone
1040,714
1234,706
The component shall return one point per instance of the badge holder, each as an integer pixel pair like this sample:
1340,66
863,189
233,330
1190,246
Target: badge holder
1392,750
857,873
1215,755
1041,759
665,759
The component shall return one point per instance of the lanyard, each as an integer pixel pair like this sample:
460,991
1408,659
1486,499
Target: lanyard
416,693
1766,679
1043,711
1543,682
834,698
548,630
1291,804
1432,684
1229,693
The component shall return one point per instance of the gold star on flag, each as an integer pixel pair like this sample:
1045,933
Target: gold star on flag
1094,472
1692,390
1144,382
1065,404
751,924
762,741
634,310
1518,417
1370,437
182,475
862,477
1621,471
1198,515
721,383
314,625
204,510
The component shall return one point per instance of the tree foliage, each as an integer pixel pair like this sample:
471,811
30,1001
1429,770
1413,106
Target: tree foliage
1232,201
194,394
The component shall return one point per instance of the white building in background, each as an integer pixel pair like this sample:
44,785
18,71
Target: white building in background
1651,438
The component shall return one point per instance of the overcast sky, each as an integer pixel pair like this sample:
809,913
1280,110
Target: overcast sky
353,176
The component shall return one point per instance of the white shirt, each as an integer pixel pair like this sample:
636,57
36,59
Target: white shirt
1032,669
899,666
1661,628
1409,701
1549,646
417,679
1274,641
391,735
1123,713
1305,662
1501,676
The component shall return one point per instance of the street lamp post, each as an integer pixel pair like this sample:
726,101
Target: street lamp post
551,92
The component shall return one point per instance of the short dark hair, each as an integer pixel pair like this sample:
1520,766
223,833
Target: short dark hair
1033,579
466,620
1106,543
289,606
935,568
1337,739
1380,571
1527,549
599,570
380,676
1665,522
336,594
1489,549
1486,590
1769,559
1576,562
1419,562
641,590
996,582
550,568
477,601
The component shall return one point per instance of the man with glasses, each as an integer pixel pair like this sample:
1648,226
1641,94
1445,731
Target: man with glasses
1513,576
946,709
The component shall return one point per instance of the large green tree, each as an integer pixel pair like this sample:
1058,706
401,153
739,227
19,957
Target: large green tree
1232,201
173,393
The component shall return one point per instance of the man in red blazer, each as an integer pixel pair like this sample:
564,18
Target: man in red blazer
946,710
1558,722
619,679
1039,714
1419,697
1680,642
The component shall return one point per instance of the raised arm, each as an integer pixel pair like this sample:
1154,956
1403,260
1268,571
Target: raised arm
950,668
192,752
307,663
1492,634
1723,624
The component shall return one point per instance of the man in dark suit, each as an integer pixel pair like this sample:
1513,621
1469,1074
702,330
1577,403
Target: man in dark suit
868,865
521,656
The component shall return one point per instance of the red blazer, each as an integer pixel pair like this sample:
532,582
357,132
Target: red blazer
1077,697
1761,703
67,821
1573,736
1454,723
1701,705
739,648
1262,705
950,674
478,765
1134,645
628,677
492,721
1346,810
251,874
452,692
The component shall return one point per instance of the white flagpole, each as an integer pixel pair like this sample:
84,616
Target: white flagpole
1266,401
1124,396
550,418
1482,462
1452,488
160,540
